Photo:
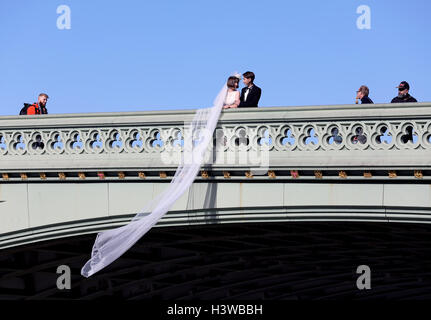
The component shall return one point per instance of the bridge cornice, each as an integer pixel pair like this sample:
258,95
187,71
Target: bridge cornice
161,117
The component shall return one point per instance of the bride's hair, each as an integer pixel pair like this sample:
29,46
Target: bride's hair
231,81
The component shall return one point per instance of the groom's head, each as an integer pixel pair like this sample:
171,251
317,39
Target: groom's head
248,78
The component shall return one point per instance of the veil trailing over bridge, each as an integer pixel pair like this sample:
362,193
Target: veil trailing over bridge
111,244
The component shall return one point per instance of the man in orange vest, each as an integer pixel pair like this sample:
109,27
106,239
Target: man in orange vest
39,107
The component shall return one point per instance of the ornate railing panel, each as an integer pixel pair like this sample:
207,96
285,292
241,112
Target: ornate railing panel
385,136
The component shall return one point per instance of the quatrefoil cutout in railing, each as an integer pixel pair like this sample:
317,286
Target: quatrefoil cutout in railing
220,140
311,137
36,142
409,135
157,142
135,140
75,143
360,136
241,139
335,137
178,141
265,140
385,136
288,138
57,144
114,141
96,142
18,144
3,146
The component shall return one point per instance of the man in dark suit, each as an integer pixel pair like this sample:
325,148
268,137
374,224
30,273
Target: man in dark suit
250,95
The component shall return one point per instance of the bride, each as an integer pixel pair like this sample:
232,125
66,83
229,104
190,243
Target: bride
111,244
232,97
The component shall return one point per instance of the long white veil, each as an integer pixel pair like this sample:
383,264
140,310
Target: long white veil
111,244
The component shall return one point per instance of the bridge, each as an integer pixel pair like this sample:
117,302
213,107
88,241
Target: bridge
276,178
75,174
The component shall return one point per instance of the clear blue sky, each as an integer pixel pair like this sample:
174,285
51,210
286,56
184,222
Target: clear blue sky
152,55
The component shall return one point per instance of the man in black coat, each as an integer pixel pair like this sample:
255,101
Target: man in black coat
362,94
403,94
250,94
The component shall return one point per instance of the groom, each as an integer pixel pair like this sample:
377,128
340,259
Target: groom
250,95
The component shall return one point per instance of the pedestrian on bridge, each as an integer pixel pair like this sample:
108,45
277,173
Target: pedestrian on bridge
403,94
362,94
38,107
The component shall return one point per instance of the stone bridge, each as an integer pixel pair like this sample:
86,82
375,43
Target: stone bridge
74,174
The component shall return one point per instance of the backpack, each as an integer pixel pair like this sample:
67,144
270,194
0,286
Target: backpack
24,109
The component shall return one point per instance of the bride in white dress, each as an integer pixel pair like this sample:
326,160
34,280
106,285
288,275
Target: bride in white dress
232,97
111,244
